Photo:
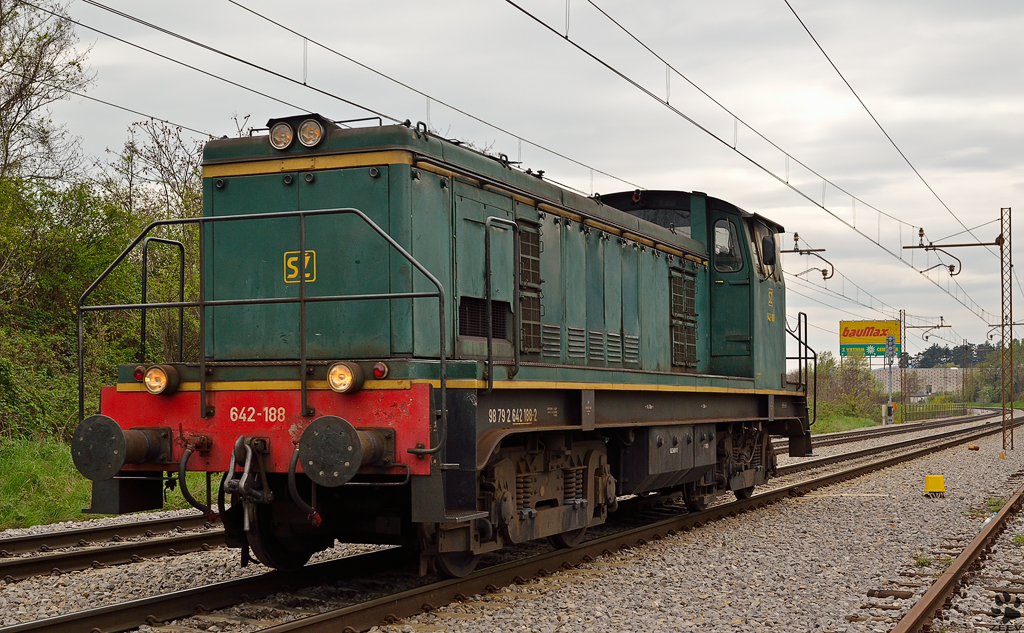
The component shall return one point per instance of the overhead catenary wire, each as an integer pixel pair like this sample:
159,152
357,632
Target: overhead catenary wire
240,60
429,97
117,106
162,56
882,129
325,92
966,301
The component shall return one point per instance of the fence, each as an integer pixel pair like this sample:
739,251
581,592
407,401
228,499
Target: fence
922,411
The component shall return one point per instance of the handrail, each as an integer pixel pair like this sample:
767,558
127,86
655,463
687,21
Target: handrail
441,412
801,334
145,295
517,309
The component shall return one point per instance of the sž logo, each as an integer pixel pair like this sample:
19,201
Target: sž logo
1009,611
291,267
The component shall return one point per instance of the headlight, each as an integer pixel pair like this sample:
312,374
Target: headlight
161,379
310,132
345,377
281,136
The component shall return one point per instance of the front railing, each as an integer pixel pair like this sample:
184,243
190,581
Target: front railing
441,412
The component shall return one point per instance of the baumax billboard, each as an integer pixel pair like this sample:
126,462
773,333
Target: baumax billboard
867,338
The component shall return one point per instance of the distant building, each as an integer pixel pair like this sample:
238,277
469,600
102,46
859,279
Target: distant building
928,381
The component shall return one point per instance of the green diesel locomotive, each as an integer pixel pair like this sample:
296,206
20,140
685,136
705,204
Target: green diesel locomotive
408,341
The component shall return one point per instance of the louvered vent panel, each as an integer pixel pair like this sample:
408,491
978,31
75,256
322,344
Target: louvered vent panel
595,345
631,349
614,347
577,342
551,341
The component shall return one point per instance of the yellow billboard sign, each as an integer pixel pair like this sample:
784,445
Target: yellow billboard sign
867,337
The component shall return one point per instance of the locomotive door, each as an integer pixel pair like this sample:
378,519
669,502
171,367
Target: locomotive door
730,288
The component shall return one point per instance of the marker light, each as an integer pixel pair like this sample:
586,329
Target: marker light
161,380
345,377
310,132
140,372
380,371
281,136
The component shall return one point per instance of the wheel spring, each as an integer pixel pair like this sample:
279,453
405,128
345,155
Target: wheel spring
573,483
524,491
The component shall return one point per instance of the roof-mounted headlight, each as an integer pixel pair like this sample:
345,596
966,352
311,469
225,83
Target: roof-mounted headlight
311,132
345,377
161,380
281,136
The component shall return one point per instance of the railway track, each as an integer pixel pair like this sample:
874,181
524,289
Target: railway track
428,595
859,435
97,547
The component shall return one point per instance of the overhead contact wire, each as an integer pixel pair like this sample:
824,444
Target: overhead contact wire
162,56
235,58
975,309
425,95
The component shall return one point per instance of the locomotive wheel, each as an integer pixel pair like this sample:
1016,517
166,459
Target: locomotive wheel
268,549
694,503
743,493
567,540
455,564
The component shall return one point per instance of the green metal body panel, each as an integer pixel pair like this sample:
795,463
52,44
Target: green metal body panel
605,299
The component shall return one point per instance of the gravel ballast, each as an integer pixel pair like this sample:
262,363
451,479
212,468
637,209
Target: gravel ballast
805,564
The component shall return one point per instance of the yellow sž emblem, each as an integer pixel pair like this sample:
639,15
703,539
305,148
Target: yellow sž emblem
291,267
771,304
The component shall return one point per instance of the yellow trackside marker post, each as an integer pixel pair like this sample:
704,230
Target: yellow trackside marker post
1002,454
935,486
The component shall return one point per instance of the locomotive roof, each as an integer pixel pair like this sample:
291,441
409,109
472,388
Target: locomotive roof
632,201
338,141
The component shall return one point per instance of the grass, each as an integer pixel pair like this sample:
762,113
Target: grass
1018,539
995,504
840,423
39,484
923,561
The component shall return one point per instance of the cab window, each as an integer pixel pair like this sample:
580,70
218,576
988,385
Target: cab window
758,234
727,247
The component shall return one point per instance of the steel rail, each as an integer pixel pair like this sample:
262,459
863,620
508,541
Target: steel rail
12,569
366,615
789,469
81,537
858,435
937,598
179,604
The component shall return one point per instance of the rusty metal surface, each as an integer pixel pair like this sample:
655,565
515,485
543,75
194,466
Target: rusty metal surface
931,604
85,536
73,560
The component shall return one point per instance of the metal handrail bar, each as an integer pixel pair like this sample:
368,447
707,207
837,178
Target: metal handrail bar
801,333
269,300
145,295
440,413
517,309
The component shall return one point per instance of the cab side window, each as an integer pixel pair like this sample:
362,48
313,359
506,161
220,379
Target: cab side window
728,258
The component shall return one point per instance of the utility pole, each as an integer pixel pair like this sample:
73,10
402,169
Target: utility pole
1006,318
890,354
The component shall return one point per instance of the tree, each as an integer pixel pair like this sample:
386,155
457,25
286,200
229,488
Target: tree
40,66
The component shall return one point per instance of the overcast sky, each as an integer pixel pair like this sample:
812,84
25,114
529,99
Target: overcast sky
944,78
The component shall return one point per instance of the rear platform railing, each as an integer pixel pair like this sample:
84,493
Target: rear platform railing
804,356
205,411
